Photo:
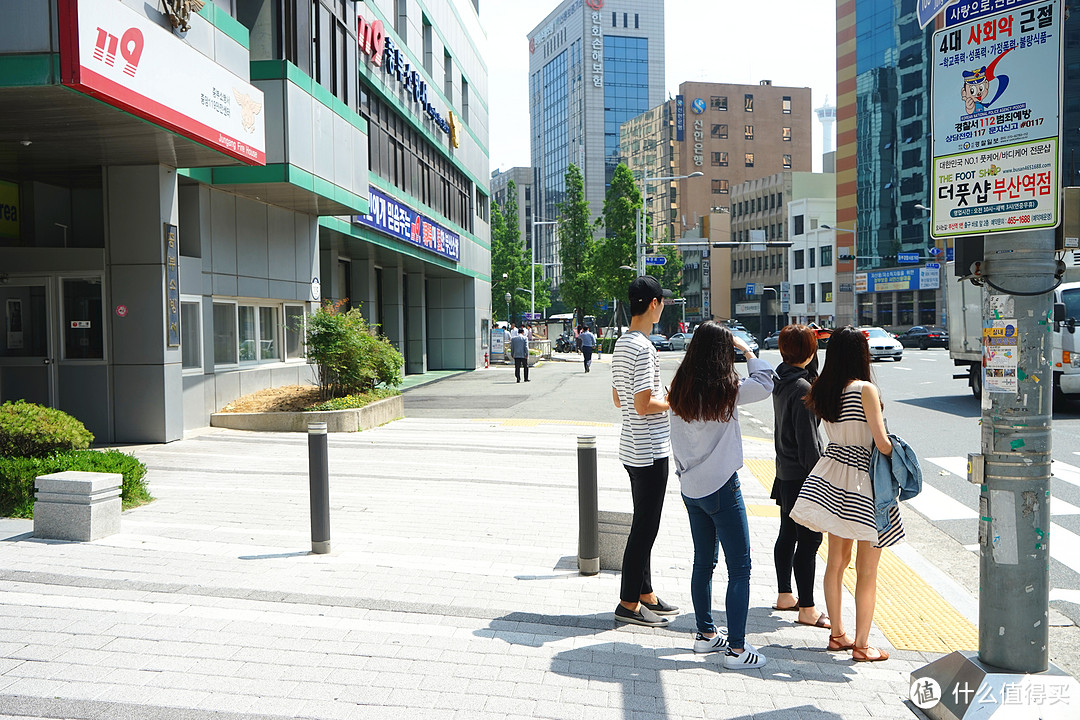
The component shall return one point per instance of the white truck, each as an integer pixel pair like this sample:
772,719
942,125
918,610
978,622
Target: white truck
964,302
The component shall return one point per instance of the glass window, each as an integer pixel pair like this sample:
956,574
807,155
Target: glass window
749,158
798,222
799,259
225,333
813,287
294,331
826,255
826,291
83,336
786,105
787,162
249,335
718,102
786,134
720,158
719,131
190,334
269,334
720,187
748,102
811,255
748,132
800,294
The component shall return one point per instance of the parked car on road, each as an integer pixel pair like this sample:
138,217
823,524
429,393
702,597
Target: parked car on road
660,342
882,344
749,340
772,340
924,337
679,341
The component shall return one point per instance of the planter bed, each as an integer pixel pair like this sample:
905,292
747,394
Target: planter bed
351,420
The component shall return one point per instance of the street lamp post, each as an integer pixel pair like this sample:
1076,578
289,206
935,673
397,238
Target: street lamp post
533,264
641,222
508,296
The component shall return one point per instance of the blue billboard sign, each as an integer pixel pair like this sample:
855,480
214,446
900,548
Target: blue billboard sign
902,279
968,10
397,220
680,117
907,257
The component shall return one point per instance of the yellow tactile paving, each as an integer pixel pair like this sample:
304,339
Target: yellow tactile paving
911,614
530,422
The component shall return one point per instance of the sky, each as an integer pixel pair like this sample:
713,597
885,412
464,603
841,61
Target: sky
791,42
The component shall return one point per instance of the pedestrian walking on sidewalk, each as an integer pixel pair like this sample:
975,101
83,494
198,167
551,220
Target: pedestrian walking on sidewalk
798,448
706,441
644,447
588,344
837,497
519,350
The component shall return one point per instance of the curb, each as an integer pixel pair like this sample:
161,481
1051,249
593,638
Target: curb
372,415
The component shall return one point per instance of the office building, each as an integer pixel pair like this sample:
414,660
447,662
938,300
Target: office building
592,66
729,132
522,177
229,170
811,275
759,215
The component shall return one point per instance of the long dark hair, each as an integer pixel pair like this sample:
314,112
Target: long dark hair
706,386
847,358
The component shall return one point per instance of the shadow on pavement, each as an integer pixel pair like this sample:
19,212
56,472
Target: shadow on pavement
634,672
959,405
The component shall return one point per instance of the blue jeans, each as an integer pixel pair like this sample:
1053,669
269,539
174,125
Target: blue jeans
715,520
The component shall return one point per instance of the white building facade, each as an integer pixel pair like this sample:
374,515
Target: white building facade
811,261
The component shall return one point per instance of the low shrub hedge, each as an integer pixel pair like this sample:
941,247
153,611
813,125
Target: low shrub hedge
607,345
17,477
356,400
29,430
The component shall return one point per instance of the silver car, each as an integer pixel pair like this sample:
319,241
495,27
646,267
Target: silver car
680,341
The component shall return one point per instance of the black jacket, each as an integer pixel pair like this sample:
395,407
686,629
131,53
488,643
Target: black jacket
795,429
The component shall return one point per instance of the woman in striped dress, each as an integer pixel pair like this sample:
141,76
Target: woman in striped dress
838,496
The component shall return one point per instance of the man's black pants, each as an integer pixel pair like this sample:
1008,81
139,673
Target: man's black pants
521,363
647,485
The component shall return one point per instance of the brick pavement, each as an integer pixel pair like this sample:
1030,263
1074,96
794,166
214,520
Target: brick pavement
451,592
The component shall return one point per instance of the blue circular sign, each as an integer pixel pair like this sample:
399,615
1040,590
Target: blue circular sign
698,106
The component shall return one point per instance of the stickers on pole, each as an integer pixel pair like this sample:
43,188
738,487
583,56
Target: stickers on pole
1001,355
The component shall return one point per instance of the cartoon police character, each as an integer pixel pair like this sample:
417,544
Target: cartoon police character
975,90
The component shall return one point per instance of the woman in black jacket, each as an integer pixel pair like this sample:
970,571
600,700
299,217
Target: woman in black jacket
798,447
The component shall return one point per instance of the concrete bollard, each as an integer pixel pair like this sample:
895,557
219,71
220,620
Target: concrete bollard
75,505
319,484
588,528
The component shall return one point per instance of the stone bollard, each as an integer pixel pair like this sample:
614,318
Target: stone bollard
614,529
74,505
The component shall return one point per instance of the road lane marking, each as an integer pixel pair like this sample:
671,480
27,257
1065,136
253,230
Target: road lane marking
936,505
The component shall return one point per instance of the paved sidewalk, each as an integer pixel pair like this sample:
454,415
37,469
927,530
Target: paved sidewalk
451,592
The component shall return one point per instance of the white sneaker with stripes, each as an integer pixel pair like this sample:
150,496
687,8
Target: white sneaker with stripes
748,659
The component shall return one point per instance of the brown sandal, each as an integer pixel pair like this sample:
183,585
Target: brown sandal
835,645
860,654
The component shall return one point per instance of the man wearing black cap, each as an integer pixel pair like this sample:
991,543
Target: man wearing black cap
644,448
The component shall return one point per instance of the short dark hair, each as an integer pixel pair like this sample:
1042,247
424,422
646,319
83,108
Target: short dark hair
796,343
643,291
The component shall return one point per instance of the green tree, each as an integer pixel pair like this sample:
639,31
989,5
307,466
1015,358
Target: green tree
618,248
508,267
576,247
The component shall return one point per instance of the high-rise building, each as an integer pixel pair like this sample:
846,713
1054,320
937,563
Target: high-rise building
729,132
522,177
592,66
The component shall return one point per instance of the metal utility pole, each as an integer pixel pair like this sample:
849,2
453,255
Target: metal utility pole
1014,505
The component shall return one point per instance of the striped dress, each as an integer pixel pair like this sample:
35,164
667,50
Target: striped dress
838,496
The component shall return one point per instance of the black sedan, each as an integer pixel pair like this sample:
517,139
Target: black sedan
924,337
660,342
750,342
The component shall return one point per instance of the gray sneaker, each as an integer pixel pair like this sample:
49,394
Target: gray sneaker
644,616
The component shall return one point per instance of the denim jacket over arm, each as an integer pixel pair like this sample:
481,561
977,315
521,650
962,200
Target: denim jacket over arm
898,474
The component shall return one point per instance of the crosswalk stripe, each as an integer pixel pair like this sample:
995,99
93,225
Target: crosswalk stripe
1066,472
958,466
936,505
1065,547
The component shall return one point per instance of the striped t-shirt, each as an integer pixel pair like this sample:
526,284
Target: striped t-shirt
635,367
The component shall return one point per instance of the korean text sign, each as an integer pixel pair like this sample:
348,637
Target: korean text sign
402,222
996,101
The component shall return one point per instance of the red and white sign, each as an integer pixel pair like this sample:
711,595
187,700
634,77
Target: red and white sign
121,310
120,57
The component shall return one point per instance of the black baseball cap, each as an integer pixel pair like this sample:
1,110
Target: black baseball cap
643,291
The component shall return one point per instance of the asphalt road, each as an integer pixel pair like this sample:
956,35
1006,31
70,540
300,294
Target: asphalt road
936,414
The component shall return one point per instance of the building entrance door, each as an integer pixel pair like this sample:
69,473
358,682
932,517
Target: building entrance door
28,340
